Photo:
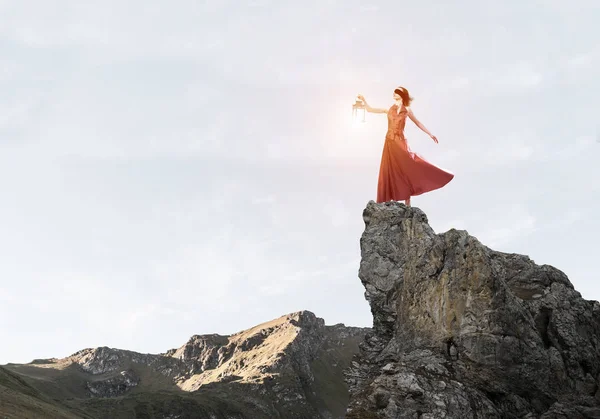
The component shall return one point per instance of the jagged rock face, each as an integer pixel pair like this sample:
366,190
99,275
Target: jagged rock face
103,360
284,345
98,360
114,386
205,352
462,331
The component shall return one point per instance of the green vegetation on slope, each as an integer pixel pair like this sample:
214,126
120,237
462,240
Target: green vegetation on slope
18,400
328,369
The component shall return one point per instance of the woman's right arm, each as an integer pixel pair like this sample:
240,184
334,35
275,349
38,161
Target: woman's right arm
370,108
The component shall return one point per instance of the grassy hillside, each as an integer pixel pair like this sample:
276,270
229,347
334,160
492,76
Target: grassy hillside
19,400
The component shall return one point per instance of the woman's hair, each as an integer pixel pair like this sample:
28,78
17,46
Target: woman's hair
406,99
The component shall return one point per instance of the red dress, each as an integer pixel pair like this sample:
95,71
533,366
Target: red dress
402,173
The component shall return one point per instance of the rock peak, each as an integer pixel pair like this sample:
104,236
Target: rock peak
463,331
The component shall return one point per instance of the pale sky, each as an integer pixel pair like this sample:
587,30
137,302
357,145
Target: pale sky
189,167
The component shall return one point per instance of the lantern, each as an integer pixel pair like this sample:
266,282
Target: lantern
359,111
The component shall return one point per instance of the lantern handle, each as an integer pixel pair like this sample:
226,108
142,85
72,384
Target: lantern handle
359,103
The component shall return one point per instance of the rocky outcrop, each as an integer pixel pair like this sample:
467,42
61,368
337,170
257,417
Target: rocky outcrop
114,386
463,331
103,360
284,345
204,352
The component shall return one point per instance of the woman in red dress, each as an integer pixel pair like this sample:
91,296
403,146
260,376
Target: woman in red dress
402,173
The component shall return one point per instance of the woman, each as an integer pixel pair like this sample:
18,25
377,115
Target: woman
402,173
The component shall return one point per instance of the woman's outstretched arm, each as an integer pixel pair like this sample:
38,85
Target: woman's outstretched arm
418,123
370,108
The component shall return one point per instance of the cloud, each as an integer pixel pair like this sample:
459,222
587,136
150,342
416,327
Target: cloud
92,305
573,148
501,79
198,275
500,235
7,296
566,220
107,26
461,82
264,200
9,69
337,212
500,227
515,148
498,150
581,60
16,116
369,8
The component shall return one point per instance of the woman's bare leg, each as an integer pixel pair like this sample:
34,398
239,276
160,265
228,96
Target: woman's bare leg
407,202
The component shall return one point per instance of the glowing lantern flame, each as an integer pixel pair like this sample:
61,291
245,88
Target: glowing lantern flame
359,111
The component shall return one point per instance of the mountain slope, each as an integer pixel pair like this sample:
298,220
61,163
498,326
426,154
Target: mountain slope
290,367
20,400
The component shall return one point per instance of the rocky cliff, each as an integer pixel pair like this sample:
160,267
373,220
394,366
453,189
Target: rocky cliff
290,367
463,331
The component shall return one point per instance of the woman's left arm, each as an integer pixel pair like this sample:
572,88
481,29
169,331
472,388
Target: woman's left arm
418,123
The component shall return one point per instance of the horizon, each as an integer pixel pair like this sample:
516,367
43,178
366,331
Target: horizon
191,336
193,168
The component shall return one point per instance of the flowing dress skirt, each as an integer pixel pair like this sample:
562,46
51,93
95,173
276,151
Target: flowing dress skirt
403,174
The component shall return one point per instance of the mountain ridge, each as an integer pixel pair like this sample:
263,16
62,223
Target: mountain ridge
291,366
